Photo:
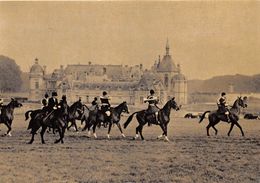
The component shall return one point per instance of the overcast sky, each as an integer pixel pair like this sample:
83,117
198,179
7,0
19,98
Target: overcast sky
206,38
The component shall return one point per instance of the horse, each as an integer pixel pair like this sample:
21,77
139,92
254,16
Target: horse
56,119
190,115
7,114
214,116
251,116
97,116
163,117
74,114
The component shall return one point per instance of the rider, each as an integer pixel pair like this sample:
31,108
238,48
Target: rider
105,105
64,106
53,102
45,101
94,103
152,107
1,104
223,105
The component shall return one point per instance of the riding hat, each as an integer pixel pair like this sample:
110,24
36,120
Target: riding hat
54,94
46,95
223,93
63,97
152,92
104,92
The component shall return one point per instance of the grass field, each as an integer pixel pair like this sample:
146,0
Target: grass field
190,156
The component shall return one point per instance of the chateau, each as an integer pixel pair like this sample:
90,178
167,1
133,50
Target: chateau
122,82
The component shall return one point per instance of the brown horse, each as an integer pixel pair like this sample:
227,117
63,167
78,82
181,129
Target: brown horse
215,117
7,114
163,116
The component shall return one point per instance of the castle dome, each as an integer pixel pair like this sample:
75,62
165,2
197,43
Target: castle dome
36,68
167,64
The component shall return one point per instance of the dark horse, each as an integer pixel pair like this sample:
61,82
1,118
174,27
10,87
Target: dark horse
97,117
214,116
163,116
74,114
7,114
57,119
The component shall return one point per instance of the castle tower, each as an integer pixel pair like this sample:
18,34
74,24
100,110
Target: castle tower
170,74
181,87
36,81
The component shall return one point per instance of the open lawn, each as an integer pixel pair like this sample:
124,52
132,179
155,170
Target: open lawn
191,156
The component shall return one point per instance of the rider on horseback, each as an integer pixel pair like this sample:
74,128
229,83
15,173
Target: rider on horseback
52,106
45,101
105,105
152,105
94,104
223,106
1,104
64,107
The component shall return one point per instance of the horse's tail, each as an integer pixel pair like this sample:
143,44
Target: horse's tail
129,119
27,114
203,116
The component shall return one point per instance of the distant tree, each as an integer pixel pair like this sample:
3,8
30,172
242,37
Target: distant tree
10,75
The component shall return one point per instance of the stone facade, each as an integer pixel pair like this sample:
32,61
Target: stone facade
123,83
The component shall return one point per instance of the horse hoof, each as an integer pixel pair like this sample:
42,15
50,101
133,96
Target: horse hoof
134,138
123,135
29,142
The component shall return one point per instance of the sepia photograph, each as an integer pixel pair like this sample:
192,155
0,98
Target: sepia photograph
130,91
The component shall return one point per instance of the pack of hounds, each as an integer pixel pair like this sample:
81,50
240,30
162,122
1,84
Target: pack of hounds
59,116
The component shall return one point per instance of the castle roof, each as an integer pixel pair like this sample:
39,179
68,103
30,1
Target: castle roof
166,65
36,68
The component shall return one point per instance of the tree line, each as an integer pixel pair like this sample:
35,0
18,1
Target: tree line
10,75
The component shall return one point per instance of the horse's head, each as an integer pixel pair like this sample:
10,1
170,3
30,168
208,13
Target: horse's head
15,103
242,101
125,108
174,104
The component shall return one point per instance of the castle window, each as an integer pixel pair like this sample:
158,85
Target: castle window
166,80
141,100
37,85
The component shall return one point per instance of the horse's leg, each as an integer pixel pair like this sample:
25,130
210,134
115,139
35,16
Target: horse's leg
88,127
60,133
32,139
109,129
75,124
231,127
94,130
238,125
163,134
33,132
119,127
69,126
141,132
216,131
209,125
137,132
166,133
9,128
42,133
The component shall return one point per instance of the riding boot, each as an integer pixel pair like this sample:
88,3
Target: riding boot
157,118
228,119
